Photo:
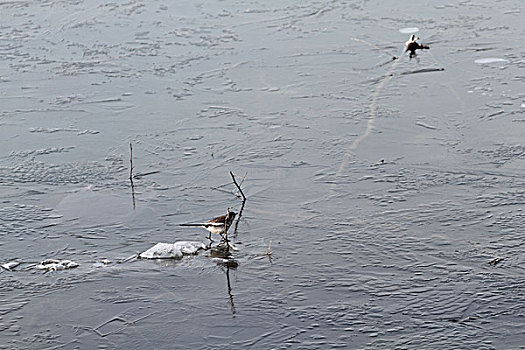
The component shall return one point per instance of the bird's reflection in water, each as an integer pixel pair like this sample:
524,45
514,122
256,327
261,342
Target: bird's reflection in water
224,259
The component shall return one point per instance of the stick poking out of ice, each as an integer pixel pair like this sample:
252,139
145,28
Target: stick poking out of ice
172,250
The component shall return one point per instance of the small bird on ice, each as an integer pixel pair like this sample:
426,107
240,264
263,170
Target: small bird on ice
412,45
216,225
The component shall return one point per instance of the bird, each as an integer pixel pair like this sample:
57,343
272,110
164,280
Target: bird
216,225
412,45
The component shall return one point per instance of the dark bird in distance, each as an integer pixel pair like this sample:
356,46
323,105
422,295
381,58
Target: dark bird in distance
412,45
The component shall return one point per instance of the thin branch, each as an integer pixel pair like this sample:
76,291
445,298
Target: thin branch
238,218
243,199
238,187
131,163
243,178
131,174
138,176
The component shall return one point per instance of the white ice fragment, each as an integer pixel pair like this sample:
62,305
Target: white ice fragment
425,125
490,60
172,250
83,132
411,30
11,265
102,263
523,105
55,265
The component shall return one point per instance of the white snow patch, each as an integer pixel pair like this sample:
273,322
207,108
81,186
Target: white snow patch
490,60
172,250
55,265
11,265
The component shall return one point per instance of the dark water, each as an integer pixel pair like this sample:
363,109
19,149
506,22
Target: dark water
386,186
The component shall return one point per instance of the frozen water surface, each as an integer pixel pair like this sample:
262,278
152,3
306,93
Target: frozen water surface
392,189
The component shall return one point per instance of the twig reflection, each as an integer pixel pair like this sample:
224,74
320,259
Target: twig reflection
230,295
227,262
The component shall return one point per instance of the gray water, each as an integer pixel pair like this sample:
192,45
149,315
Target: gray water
386,186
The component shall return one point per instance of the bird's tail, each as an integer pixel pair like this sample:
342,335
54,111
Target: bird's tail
205,224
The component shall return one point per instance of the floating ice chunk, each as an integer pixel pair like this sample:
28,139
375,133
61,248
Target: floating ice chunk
490,60
523,105
83,132
102,263
55,265
10,265
411,30
172,250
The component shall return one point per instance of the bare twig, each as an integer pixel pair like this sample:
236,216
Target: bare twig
138,176
243,199
131,162
131,173
269,252
238,218
243,178
238,187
